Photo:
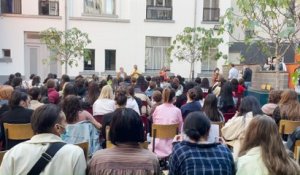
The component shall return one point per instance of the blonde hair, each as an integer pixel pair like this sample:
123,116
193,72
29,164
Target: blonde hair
263,132
106,93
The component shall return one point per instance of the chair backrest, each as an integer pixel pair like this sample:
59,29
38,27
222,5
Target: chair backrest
85,147
110,145
288,126
18,131
163,132
1,156
297,150
221,124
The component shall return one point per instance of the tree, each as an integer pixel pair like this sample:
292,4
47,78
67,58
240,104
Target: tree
274,26
67,46
194,45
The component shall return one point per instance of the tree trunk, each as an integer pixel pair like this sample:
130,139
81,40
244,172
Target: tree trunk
277,68
66,68
192,73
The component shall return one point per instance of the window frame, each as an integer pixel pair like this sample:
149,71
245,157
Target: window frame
92,59
102,11
213,12
48,2
111,67
155,9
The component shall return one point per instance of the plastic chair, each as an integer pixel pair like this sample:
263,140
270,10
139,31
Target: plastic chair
17,132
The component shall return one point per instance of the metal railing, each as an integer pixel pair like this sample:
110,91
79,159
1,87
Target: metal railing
211,14
50,8
12,7
159,13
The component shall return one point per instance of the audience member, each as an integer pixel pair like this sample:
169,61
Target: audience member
210,108
273,100
192,104
5,96
35,94
81,125
105,103
225,100
18,114
126,131
234,129
288,107
195,155
262,150
53,95
166,114
48,122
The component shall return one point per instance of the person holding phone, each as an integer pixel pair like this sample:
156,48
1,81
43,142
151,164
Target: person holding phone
194,154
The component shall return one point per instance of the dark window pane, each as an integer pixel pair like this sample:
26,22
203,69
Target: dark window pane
110,59
89,59
6,52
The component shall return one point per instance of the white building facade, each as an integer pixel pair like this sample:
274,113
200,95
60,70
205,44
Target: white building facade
123,33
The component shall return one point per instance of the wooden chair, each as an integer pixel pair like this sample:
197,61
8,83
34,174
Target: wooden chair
297,150
288,126
110,145
221,124
163,132
1,156
85,147
17,132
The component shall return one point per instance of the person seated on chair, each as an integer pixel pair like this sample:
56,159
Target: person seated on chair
48,122
82,126
127,157
193,154
235,127
18,114
263,152
166,114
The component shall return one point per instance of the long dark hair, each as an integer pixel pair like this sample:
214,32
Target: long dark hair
210,108
71,106
226,95
93,92
249,104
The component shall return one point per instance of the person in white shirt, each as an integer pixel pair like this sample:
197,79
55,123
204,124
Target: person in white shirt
233,73
48,122
105,103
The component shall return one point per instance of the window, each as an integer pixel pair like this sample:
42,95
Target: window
6,53
11,6
211,10
100,7
89,59
48,7
209,64
159,9
110,60
156,53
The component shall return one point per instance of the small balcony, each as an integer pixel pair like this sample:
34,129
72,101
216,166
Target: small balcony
11,6
211,14
159,13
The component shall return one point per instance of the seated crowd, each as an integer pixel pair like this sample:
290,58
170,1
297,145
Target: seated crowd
123,111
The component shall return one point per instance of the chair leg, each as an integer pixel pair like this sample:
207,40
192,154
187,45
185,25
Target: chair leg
153,137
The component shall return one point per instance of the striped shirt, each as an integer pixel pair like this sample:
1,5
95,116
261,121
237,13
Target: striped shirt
124,159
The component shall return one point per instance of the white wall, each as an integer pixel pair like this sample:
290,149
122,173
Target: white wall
126,36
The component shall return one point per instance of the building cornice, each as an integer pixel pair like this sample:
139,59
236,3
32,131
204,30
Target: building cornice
100,19
30,16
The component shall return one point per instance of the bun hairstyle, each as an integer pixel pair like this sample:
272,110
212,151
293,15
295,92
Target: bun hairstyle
121,97
196,125
168,95
192,93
